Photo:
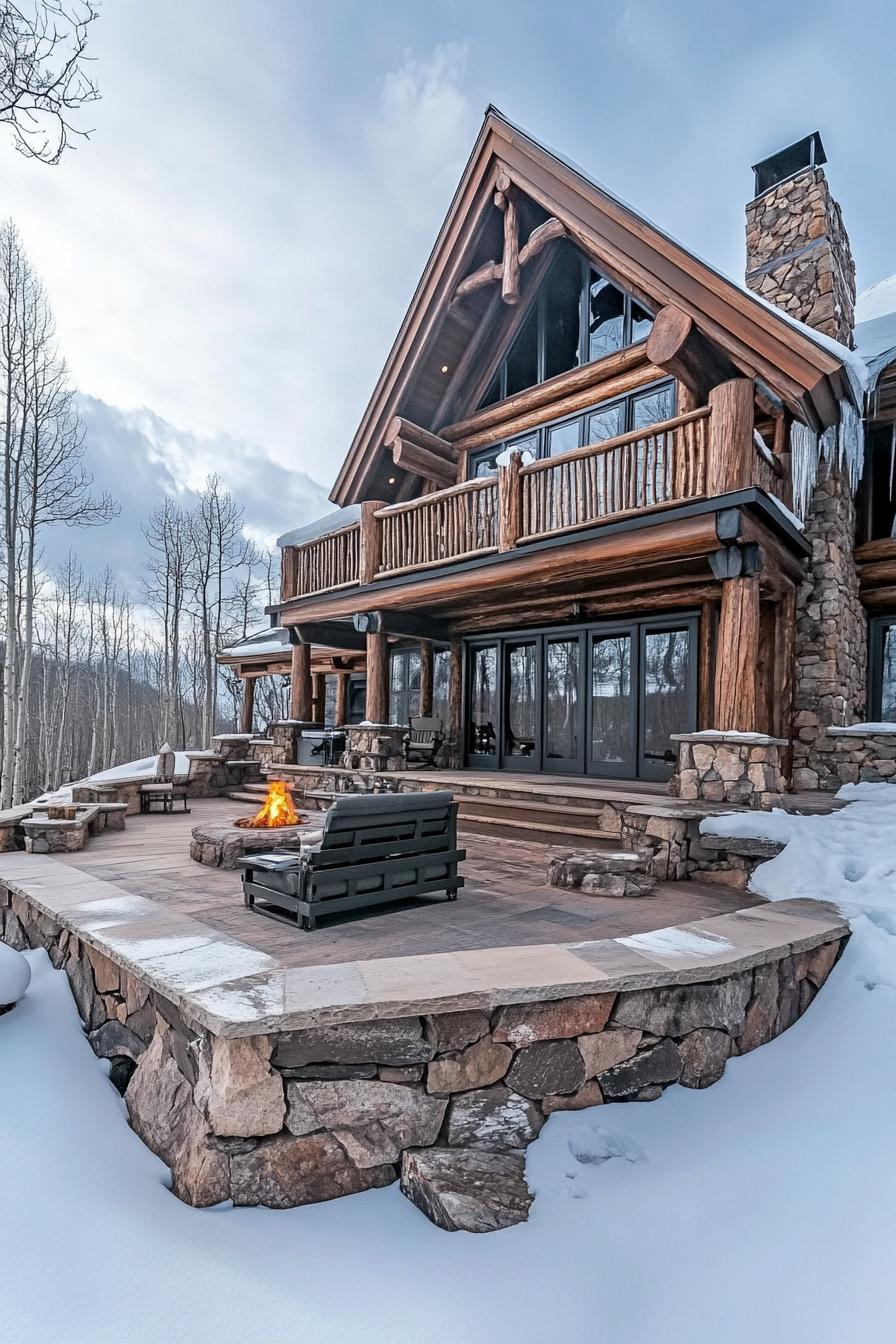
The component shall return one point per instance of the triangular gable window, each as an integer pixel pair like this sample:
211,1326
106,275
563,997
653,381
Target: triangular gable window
577,316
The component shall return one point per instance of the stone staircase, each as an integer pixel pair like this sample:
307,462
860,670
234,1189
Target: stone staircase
544,823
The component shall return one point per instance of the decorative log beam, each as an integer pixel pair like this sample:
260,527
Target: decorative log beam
507,270
540,238
678,346
418,461
405,431
510,265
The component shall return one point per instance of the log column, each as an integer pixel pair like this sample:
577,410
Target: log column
341,711
426,672
377,704
737,656
300,696
455,701
318,696
247,705
730,459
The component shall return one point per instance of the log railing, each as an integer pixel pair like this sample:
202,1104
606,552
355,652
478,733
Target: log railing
323,564
705,452
632,473
451,524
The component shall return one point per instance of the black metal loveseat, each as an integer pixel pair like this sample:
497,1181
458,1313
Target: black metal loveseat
374,849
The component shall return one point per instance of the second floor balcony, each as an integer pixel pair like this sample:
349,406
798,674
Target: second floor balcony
703,454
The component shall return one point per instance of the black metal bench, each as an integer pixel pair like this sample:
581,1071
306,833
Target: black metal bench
374,849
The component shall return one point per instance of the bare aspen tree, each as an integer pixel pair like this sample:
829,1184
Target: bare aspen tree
44,77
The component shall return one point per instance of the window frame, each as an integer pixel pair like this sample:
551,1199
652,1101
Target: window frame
877,628
401,696
539,304
542,433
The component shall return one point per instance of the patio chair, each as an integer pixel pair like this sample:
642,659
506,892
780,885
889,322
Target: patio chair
423,741
162,789
373,850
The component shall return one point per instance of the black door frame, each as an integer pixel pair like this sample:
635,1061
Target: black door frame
638,764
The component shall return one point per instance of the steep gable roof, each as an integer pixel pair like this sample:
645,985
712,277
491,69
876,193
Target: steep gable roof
652,266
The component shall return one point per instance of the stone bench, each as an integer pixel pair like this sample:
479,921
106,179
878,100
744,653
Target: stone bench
10,821
56,835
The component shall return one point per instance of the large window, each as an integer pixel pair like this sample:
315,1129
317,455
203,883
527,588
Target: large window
404,685
647,406
577,316
882,663
878,495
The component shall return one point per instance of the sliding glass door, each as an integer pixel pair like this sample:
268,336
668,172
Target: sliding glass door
601,700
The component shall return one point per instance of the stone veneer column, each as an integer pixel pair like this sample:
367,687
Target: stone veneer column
799,258
719,767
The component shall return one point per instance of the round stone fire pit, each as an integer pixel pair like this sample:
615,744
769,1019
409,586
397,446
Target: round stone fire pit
224,846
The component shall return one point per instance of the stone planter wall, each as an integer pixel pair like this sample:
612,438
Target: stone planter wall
446,1102
718,767
854,756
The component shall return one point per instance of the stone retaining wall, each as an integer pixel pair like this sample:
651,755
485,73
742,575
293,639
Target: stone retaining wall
447,1101
852,756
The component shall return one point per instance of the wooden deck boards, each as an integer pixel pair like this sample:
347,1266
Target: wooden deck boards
506,901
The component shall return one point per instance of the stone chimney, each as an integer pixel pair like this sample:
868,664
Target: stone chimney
798,253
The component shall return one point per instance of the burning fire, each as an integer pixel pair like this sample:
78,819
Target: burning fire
276,810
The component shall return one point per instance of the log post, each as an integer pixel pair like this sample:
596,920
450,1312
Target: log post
377,704
730,457
737,656
510,503
318,696
300,684
247,705
340,713
371,537
426,672
455,701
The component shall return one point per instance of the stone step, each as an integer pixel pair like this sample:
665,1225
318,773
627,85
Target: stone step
538,832
746,847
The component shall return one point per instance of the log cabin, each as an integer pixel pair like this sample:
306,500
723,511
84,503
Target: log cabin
603,497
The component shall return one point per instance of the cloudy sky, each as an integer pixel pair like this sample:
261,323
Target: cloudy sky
230,255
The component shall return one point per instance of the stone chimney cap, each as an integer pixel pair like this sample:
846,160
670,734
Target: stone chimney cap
805,153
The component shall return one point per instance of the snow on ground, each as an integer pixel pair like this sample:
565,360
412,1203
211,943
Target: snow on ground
758,1209
144,769
15,975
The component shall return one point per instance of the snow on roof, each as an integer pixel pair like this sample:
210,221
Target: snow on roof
322,527
875,333
268,640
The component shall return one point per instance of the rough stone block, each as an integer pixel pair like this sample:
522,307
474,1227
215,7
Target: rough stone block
373,1121
523,1023
393,1041
237,1088
463,1189
679,1009
285,1172
608,1048
704,1054
657,1065
493,1118
484,1062
547,1068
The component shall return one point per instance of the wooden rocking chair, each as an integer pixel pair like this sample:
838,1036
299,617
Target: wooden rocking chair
423,741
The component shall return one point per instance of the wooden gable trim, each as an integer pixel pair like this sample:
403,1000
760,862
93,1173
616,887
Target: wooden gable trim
652,267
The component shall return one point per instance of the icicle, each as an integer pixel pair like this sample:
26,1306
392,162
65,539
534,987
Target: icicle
803,465
851,443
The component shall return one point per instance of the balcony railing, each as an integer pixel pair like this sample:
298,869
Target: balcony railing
660,465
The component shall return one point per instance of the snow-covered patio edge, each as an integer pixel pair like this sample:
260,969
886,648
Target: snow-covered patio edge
441,1081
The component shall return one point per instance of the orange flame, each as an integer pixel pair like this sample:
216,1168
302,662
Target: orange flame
277,808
